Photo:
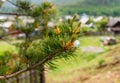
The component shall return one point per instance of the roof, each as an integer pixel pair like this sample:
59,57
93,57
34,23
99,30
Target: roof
112,22
26,19
84,20
116,29
3,17
68,17
98,19
6,24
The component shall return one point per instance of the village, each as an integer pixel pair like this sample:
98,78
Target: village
90,25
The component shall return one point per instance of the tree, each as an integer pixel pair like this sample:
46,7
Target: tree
47,44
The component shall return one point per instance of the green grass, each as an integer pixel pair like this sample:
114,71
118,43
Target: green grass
70,68
66,67
5,47
90,40
81,58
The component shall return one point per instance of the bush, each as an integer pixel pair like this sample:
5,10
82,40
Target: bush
101,61
101,24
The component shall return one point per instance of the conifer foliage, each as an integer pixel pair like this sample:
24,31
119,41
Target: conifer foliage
47,44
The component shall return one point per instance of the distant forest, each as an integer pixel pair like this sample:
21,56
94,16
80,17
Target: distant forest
91,7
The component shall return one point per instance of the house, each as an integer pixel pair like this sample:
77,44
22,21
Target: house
61,20
51,24
97,19
68,17
84,19
113,26
26,20
3,18
9,29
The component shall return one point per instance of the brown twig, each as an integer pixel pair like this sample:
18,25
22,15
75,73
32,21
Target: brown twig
18,14
33,66
11,3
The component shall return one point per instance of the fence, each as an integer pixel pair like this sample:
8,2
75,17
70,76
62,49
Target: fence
28,73
32,76
97,33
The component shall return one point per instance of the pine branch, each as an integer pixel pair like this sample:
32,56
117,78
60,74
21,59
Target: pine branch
33,66
11,3
14,14
16,5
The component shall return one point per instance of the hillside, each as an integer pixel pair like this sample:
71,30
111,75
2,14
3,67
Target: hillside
96,7
91,7
88,67
87,2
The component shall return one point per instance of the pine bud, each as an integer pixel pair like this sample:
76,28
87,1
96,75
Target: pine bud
9,72
76,30
63,43
11,28
36,25
51,5
74,17
11,64
57,30
69,44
